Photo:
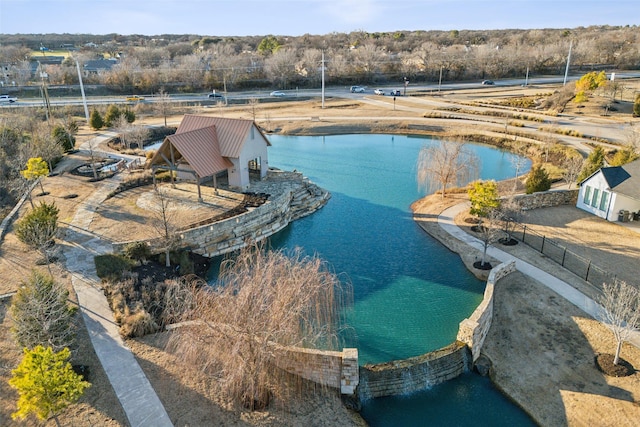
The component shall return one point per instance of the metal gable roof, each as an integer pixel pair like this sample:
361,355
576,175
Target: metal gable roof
200,148
232,133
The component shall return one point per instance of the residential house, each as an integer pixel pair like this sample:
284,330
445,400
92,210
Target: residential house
205,147
98,66
612,193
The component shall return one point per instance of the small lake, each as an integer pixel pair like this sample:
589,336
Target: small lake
410,292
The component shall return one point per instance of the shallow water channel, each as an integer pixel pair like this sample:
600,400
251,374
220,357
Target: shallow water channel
410,292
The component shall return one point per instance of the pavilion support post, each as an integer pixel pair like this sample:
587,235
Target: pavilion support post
199,193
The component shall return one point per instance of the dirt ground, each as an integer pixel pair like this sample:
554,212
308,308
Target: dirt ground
542,347
193,402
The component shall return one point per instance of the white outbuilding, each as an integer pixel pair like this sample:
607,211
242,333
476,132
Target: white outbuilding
612,193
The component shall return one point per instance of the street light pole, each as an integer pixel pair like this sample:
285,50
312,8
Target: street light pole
566,71
323,79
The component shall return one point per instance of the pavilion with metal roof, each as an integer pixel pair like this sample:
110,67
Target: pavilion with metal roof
204,147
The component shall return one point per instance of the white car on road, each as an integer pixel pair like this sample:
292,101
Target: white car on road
7,98
379,92
277,93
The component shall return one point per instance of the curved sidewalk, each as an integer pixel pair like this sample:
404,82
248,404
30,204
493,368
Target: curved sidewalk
134,391
565,290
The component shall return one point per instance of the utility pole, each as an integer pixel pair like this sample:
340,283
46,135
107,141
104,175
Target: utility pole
440,80
84,98
44,92
526,78
566,71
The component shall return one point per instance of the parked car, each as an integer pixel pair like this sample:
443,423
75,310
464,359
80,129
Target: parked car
216,95
395,92
357,89
379,92
7,98
277,93
487,82
135,98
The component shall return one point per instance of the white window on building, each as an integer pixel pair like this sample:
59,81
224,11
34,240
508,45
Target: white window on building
587,195
594,201
603,201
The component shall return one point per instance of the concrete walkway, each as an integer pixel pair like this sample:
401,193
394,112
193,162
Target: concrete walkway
134,391
565,290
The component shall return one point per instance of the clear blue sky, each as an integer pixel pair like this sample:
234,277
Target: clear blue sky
297,17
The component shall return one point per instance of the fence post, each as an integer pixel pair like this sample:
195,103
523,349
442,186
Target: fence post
524,231
586,276
564,253
542,247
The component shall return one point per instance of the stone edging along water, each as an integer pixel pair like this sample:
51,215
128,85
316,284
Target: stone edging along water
385,379
406,376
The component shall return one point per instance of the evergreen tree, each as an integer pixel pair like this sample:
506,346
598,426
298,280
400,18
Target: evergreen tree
538,180
112,114
41,314
594,162
63,137
46,383
129,115
95,121
38,228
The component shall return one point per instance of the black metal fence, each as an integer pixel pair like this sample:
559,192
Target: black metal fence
577,264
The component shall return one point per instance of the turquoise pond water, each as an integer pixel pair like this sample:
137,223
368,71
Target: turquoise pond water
410,292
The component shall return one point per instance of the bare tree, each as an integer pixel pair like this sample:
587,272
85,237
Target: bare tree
572,167
621,304
280,67
517,158
264,302
490,232
137,135
445,164
164,222
632,138
93,158
123,127
511,214
253,104
163,104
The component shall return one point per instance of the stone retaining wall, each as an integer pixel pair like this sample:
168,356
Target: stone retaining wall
474,329
336,369
546,199
289,201
416,373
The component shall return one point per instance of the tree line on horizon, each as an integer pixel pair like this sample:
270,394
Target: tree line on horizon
187,63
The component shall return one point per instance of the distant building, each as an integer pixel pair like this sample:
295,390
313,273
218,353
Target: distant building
98,66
